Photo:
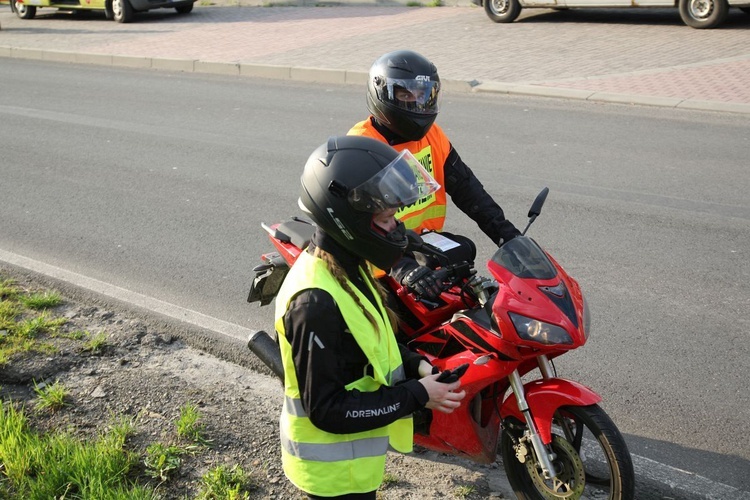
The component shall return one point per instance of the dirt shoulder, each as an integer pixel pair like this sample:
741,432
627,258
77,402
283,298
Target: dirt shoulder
148,371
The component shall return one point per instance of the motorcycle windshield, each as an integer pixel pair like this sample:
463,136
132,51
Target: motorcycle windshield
525,259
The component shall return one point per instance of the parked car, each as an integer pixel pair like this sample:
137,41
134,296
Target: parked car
694,13
121,11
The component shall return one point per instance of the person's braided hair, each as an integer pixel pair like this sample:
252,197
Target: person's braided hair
340,275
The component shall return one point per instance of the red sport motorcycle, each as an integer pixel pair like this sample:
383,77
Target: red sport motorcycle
555,440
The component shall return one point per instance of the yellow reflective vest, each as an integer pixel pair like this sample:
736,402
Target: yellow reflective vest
319,462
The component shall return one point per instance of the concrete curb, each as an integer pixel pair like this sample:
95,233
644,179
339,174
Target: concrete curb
336,76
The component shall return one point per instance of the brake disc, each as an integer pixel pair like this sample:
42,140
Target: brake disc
571,478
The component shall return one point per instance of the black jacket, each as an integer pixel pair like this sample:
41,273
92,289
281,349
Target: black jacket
326,364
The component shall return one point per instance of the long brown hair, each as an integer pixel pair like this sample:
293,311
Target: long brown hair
340,275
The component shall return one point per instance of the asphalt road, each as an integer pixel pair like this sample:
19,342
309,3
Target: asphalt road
158,182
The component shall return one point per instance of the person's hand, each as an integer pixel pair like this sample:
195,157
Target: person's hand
423,282
507,232
426,368
442,397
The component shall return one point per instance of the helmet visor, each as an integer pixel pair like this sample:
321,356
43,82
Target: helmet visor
416,96
402,182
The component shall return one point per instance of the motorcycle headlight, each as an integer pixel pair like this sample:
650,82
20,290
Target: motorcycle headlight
538,331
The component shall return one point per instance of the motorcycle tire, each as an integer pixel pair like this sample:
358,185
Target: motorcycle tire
592,441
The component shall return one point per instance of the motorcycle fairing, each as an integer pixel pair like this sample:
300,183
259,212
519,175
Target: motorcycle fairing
459,335
448,432
530,282
544,397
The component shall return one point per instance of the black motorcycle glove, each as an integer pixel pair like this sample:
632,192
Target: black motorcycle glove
422,281
507,232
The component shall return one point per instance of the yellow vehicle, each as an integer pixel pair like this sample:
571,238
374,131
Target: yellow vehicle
121,11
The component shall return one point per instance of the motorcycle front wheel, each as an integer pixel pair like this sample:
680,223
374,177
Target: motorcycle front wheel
592,459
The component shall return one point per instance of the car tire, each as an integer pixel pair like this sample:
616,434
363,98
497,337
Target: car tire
108,12
122,11
502,11
24,11
703,14
746,10
184,9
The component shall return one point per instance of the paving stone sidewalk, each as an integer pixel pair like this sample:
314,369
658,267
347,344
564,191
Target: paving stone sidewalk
644,56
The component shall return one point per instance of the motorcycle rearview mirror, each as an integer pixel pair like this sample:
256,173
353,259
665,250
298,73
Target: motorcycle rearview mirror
536,207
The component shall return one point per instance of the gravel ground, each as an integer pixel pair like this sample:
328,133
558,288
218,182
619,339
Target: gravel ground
148,370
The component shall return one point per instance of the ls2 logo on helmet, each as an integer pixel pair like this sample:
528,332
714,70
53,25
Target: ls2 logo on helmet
340,224
422,78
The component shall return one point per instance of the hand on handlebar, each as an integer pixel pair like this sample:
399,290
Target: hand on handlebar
507,232
424,282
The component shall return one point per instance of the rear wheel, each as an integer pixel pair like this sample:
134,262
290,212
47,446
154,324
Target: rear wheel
122,11
703,14
24,11
592,459
502,11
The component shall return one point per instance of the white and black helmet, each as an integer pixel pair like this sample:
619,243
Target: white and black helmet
400,73
349,179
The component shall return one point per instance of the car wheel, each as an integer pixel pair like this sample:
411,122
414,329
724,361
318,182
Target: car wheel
184,9
502,11
24,11
746,10
122,11
703,14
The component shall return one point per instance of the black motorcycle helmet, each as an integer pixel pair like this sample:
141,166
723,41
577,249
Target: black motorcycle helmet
404,73
349,179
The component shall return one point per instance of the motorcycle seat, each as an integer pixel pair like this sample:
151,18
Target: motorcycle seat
298,232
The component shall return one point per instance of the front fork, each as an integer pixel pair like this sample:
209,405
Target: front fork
544,455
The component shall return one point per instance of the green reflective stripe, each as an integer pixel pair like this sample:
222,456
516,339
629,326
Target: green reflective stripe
432,212
293,406
336,452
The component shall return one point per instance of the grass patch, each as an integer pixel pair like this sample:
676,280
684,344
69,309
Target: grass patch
35,326
41,300
389,479
74,335
162,460
463,491
95,343
223,482
8,289
51,397
60,466
189,425
24,316
9,310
